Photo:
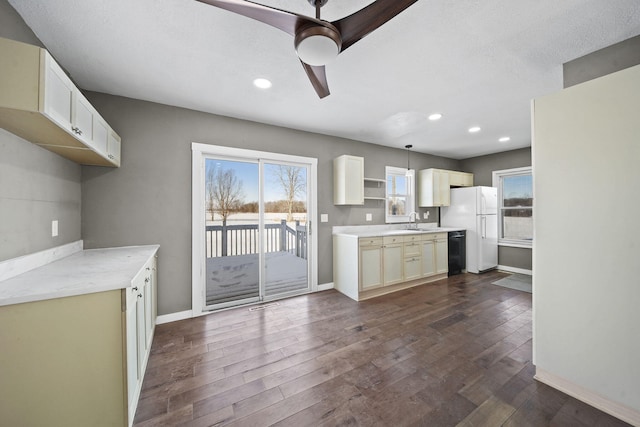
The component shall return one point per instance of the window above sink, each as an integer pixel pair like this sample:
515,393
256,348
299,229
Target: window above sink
399,194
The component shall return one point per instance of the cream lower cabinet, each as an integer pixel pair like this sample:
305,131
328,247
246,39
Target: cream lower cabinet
412,257
435,250
140,323
442,253
370,263
392,260
79,360
367,267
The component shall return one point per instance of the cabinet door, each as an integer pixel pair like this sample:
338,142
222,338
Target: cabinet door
348,180
100,138
441,188
133,373
412,268
370,267
58,94
428,258
392,264
442,256
113,148
148,310
140,329
82,117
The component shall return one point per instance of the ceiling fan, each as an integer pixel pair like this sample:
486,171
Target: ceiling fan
317,41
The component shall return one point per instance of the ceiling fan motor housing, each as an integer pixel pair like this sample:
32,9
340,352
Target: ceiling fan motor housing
320,3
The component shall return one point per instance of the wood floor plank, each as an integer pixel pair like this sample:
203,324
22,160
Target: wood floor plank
452,352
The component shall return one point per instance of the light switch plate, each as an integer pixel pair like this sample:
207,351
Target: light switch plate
324,217
369,217
54,228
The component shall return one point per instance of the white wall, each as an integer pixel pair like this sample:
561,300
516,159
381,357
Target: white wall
586,160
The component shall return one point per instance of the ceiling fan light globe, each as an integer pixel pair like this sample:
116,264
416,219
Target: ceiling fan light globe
317,45
317,50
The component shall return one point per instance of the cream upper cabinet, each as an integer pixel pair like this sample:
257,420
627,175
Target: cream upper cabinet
100,133
433,188
460,179
83,113
348,180
58,94
113,148
40,103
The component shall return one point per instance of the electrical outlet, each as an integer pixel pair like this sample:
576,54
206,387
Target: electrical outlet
54,228
369,217
324,217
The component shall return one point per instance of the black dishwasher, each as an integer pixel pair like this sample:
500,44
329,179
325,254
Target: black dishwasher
457,252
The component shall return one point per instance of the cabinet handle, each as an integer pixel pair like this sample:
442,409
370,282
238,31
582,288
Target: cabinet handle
139,295
135,288
111,156
146,280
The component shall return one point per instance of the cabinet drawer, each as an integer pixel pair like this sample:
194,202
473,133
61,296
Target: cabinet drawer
434,236
413,238
390,240
412,249
370,241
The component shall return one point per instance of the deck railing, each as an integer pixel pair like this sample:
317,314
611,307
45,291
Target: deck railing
232,240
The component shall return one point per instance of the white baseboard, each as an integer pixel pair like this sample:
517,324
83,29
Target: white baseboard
615,409
173,317
16,266
325,286
515,270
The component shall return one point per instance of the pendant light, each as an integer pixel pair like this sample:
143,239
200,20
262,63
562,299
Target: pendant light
408,147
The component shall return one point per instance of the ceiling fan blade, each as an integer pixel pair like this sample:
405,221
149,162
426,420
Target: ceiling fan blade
318,78
357,25
281,19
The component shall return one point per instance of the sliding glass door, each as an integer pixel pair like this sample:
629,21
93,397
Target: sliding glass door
285,244
255,213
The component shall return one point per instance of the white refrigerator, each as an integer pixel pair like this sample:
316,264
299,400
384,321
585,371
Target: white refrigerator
476,210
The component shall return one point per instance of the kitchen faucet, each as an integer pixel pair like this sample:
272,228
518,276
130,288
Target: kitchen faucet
415,220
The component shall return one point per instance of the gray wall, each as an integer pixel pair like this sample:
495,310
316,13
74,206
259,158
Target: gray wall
148,199
482,168
36,186
602,62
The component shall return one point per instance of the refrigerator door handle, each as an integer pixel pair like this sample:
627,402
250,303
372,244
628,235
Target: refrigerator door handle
484,227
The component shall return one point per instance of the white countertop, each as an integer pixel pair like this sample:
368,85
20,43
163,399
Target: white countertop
372,231
84,272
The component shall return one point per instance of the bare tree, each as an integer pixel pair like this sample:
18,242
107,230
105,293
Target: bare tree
224,192
293,183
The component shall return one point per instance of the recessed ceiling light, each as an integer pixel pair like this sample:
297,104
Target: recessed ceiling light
435,116
474,129
505,139
262,83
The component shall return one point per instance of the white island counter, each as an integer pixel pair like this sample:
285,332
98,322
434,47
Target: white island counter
76,336
84,272
370,261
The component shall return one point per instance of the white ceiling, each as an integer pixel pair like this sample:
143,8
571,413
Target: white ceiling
476,62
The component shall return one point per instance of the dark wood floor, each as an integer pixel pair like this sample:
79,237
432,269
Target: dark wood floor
454,352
